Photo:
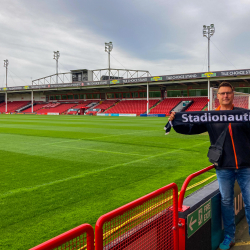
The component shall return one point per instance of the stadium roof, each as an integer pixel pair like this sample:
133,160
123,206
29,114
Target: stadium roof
189,78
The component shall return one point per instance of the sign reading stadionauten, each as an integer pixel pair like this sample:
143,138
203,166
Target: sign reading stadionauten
176,77
198,218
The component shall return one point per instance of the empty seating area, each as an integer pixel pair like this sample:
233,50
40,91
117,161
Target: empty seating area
131,107
166,106
51,105
43,108
85,104
13,106
106,104
36,107
115,106
61,108
198,104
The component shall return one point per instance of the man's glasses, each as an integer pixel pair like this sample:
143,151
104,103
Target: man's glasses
225,93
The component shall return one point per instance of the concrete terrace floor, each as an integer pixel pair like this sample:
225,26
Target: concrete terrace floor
242,238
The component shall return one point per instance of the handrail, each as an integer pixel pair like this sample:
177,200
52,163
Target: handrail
68,236
100,236
186,182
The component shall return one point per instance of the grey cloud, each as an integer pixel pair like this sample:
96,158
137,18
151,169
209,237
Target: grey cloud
164,37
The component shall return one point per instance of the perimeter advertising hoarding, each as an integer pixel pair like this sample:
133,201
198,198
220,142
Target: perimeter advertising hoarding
138,80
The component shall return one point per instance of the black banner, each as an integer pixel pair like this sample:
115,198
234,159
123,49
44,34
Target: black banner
203,117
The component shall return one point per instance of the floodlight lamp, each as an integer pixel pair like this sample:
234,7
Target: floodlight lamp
204,27
6,63
212,25
108,47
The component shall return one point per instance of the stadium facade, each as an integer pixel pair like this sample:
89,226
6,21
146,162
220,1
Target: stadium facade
80,85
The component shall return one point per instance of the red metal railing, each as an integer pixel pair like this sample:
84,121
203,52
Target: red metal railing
81,237
150,222
186,182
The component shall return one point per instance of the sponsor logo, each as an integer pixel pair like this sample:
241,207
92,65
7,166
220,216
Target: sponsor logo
208,74
176,77
235,73
156,78
5,88
96,83
26,87
114,81
82,84
134,80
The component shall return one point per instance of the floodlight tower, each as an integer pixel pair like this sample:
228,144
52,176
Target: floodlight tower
6,64
208,31
108,48
56,57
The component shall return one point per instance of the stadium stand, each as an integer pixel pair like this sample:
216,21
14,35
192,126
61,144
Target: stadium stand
168,104
13,106
131,107
36,107
85,104
106,104
198,104
61,108
51,105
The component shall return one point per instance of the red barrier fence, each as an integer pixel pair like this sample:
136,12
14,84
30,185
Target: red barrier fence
186,182
80,238
150,222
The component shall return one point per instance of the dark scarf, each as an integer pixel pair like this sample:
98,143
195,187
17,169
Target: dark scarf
203,117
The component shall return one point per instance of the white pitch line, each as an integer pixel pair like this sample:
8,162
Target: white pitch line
102,151
92,138
27,189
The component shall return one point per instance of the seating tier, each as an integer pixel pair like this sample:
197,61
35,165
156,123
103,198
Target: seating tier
131,107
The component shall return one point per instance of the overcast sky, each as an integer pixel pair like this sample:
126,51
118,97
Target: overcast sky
161,36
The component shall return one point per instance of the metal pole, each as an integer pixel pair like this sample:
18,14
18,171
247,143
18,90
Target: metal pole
208,31
208,84
108,49
109,65
6,63
32,101
56,57
6,102
57,71
6,74
147,97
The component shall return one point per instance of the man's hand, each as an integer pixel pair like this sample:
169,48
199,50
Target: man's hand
172,116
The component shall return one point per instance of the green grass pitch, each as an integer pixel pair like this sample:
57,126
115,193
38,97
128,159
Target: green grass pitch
58,172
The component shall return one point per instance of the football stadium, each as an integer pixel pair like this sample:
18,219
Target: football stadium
87,164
